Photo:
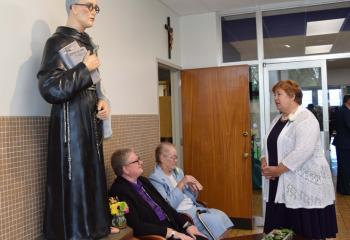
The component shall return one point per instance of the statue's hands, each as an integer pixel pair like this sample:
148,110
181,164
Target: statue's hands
91,61
102,109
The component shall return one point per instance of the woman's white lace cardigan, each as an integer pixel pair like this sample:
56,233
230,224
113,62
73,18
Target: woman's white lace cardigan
308,184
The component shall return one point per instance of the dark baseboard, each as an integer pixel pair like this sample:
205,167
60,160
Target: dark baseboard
242,223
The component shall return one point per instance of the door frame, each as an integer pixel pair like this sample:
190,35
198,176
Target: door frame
265,97
176,106
176,111
295,65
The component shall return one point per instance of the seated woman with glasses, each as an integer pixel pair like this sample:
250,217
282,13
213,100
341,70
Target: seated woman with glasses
181,191
149,213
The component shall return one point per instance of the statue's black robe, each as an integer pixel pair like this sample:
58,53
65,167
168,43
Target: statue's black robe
76,193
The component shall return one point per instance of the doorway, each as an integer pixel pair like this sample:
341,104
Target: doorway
338,72
169,102
165,114
217,138
312,78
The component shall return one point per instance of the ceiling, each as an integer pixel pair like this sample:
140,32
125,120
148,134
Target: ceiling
188,7
227,7
285,35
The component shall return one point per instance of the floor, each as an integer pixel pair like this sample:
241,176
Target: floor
343,220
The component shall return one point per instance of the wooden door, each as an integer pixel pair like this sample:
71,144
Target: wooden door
216,137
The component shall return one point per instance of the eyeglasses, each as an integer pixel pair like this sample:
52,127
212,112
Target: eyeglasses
90,6
136,161
172,157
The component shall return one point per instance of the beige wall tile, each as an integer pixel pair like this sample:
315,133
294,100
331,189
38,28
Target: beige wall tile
23,150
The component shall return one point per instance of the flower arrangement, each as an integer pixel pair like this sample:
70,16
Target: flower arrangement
118,209
291,117
280,234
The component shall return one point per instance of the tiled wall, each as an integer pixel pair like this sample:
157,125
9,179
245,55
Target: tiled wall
23,166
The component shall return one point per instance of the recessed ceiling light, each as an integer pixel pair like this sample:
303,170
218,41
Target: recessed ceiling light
324,27
318,49
287,45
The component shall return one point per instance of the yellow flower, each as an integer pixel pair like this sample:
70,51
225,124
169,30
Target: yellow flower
116,207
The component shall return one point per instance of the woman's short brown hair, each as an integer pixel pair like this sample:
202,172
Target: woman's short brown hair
119,159
292,89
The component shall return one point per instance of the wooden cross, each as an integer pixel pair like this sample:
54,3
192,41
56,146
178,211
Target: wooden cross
170,36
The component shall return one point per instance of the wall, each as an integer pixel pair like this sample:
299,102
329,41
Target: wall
23,151
132,37
199,41
338,77
24,27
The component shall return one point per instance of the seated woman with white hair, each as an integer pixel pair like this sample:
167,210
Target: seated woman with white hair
182,191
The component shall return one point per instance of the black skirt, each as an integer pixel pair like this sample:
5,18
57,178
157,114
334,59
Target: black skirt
309,223
313,223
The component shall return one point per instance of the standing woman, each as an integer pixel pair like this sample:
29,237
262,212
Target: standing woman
299,192
76,194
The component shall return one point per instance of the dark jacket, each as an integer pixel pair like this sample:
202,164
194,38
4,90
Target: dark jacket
141,217
76,193
342,125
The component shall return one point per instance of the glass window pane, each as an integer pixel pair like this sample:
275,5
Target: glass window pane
307,97
321,29
335,98
319,97
255,139
239,38
309,80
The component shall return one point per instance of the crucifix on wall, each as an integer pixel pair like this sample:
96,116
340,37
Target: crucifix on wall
170,36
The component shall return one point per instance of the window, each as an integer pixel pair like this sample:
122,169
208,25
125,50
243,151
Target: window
334,97
305,31
239,38
307,97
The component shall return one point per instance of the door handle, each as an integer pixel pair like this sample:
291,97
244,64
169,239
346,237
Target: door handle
245,134
245,155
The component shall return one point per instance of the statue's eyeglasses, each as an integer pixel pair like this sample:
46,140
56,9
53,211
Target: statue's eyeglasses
90,6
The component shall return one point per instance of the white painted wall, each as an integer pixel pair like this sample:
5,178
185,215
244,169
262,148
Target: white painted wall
24,27
131,36
199,41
